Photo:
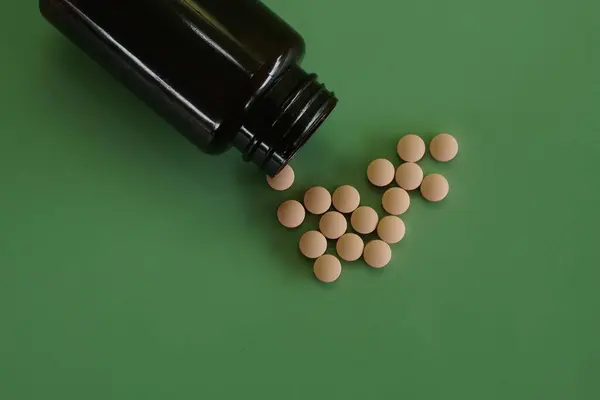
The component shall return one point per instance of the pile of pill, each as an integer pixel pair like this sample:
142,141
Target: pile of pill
345,201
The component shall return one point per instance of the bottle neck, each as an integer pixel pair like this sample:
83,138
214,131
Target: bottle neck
280,122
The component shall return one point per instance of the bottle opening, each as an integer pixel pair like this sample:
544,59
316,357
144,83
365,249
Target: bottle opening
284,119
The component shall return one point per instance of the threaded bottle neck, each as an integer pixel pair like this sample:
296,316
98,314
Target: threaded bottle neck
283,119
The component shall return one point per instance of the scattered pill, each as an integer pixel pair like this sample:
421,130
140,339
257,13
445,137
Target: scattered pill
443,147
333,225
283,180
313,244
381,172
350,247
317,200
327,268
377,253
364,220
411,148
291,214
409,176
395,201
434,187
346,199
391,229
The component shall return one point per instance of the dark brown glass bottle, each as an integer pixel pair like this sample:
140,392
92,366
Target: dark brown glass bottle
223,72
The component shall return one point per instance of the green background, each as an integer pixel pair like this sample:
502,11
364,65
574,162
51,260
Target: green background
132,266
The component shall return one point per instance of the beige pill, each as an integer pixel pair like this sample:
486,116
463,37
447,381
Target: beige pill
443,147
411,148
333,225
434,187
381,172
409,176
395,201
313,244
391,229
283,180
327,268
346,199
350,247
364,220
377,253
317,200
291,214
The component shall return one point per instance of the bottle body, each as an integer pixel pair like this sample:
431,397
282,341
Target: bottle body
223,72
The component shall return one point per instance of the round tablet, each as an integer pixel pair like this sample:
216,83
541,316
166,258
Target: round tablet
313,244
350,247
409,176
333,225
391,229
434,187
381,172
317,200
395,201
291,214
377,253
327,268
443,147
283,180
364,220
411,148
346,199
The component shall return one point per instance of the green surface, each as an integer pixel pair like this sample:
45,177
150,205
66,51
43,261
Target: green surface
134,267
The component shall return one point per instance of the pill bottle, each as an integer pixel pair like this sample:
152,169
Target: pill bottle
224,73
